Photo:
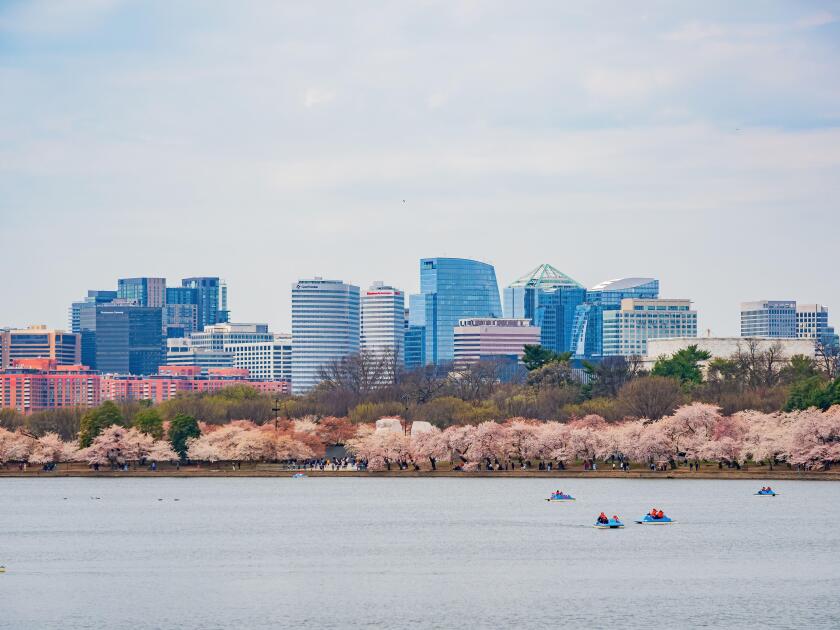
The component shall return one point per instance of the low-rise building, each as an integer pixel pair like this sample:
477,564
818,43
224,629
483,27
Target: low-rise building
489,338
727,347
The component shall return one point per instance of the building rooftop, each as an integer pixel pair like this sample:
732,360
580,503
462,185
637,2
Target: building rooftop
545,276
620,284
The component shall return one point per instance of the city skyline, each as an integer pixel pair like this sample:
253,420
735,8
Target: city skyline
264,147
63,322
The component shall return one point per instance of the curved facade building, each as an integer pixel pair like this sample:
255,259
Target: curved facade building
452,289
588,325
325,327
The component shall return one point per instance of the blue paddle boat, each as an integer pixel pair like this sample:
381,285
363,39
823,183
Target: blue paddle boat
647,519
298,476
612,523
766,492
557,497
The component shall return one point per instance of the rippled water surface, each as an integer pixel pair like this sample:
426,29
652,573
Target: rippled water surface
415,553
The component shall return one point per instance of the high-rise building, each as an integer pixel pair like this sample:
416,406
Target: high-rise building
264,360
769,318
211,299
415,347
142,291
548,298
325,327
452,289
93,297
587,327
478,339
180,315
40,342
627,330
179,320
812,323
383,321
121,338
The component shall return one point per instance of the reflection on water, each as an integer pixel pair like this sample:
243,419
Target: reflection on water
414,553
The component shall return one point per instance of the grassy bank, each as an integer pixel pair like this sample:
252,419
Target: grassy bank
710,471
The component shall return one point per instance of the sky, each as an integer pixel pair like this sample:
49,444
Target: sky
695,142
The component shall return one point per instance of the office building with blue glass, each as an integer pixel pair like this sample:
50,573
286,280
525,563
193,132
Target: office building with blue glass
588,326
122,338
210,299
451,289
548,298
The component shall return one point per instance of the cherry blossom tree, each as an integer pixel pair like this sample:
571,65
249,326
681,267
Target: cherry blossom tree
429,445
15,446
51,449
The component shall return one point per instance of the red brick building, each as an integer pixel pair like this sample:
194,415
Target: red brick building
31,385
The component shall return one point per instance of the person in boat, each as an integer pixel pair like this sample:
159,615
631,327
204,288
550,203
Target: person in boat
660,514
652,513
769,489
616,519
602,518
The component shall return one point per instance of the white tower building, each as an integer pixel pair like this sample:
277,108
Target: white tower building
325,327
383,321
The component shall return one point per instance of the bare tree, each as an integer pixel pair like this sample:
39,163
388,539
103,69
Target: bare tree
475,381
359,373
650,397
828,358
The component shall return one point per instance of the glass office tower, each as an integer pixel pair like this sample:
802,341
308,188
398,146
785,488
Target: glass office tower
452,289
142,291
588,325
122,338
211,299
548,298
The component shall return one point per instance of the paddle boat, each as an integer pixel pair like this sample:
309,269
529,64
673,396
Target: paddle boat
766,492
647,519
612,523
557,497
298,476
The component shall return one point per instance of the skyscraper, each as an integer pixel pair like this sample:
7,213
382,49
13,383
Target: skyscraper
769,318
588,326
142,291
93,297
548,298
211,299
383,321
452,289
325,327
122,338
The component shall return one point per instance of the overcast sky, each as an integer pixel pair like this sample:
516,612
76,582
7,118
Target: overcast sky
267,141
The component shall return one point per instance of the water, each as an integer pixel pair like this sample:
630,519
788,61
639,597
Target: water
414,553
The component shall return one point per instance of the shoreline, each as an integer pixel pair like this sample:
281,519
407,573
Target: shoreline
188,473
